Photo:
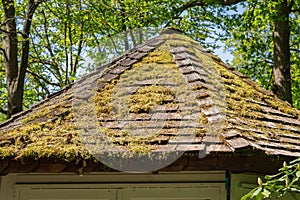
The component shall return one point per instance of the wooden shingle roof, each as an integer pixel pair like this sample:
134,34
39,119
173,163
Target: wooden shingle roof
249,119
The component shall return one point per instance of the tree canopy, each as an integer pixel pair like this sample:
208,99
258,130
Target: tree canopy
48,42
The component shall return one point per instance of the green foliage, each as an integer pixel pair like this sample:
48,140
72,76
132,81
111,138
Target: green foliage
246,29
252,42
278,185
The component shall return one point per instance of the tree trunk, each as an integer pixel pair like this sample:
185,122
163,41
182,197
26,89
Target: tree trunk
10,57
15,75
281,68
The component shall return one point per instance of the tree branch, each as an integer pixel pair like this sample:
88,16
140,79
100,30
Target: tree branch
3,111
268,61
4,31
297,10
4,54
46,34
42,78
45,63
57,67
293,49
191,4
292,2
32,6
79,46
40,83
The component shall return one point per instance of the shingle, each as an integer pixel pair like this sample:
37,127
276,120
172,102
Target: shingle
188,69
284,120
119,69
146,48
281,152
137,55
128,62
178,49
183,63
185,140
278,145
185,56
155,42
219,148
212,110
194,77
108,77
231,133
117,58
237,143
190,147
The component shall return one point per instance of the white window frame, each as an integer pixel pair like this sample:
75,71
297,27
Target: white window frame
15,185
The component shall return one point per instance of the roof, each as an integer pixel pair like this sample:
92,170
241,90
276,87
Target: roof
182,95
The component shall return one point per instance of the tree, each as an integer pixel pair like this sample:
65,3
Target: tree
261,37
14,70
282,67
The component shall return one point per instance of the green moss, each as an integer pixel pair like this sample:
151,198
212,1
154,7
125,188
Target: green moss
44,139
158,65
102,101
158,56
50,110
148,96
179,40
43,112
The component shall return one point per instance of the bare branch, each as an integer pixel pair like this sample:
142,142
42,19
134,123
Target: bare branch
229,2
66,54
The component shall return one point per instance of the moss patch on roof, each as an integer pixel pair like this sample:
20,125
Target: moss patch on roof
57,139
153,83
148,96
